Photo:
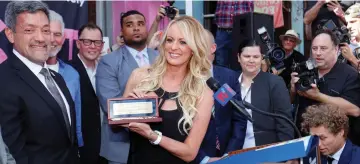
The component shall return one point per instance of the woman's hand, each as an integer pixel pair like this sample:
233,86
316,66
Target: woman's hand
144,130
136,94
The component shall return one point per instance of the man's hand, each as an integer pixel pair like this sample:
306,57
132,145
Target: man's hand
294,80
312,93
336,8
161,13
347,53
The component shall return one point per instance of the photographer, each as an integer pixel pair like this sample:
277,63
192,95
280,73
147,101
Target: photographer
164,11
289,41
319,12
339,86
352,17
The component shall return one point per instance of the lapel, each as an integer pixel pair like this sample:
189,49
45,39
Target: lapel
62,85
129,59
152,55
258,86
79,66
29,78
346,155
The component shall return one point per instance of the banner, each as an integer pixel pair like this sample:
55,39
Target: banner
74,13
273,8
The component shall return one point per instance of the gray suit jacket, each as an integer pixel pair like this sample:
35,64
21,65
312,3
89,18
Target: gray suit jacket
5,156
112,75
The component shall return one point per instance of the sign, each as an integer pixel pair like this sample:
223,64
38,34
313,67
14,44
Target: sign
273,8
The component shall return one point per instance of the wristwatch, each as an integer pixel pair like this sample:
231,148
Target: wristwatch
158,139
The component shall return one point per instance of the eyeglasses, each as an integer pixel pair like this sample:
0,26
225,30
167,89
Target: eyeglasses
292,40
88,42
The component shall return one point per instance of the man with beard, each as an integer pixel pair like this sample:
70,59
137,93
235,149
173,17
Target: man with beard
112,75
70,75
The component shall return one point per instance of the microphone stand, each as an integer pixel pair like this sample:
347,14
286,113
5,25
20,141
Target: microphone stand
252,107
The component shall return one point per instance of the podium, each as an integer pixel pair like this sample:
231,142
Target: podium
305,148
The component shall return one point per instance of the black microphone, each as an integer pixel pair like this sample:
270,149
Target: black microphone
224,94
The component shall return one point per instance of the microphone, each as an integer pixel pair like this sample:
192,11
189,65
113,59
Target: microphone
224,94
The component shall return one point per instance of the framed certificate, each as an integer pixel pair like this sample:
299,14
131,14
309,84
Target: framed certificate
126,110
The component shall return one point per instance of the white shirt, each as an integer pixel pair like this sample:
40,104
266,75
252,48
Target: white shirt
134,52
249,137
54,67
91,73
337,155
35,68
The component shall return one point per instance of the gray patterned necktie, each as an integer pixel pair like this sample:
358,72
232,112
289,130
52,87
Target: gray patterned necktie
56,94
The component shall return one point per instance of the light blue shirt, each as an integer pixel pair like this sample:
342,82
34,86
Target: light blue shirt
134,52
72,80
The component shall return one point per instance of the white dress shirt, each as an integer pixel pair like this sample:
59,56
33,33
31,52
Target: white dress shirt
54,67
249,137
91,73
35,68
337,155
134,52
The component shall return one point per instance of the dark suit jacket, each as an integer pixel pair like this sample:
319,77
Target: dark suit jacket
90,119
32,122
224,124
269,93
350,154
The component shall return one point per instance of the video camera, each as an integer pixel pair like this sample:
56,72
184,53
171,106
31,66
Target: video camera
170,10
274,53
308,74
341,33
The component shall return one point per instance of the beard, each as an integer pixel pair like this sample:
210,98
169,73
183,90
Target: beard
135,43
53,53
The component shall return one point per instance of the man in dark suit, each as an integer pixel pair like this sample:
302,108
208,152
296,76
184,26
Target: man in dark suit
331,125
36,109
219,138
90,44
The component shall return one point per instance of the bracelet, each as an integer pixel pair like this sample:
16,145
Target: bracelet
158,139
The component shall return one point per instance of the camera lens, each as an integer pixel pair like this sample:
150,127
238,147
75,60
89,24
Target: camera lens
278,54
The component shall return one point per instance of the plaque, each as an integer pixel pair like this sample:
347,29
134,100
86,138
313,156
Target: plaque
126,110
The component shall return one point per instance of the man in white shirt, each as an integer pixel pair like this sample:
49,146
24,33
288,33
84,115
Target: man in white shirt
36,109
331,125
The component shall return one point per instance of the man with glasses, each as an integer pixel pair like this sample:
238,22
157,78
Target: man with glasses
289,41
90,44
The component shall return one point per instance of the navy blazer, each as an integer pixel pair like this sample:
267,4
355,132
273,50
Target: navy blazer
224,122
350,154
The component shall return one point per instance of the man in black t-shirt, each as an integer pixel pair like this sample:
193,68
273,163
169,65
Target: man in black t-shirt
319,12
339,86
289,41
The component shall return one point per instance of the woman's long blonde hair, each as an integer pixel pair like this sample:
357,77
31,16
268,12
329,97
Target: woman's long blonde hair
194,83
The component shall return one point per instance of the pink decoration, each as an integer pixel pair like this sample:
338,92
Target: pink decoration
3,56
71,35
2,25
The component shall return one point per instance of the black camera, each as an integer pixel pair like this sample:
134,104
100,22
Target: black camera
307,73
274,53
170,10
342,34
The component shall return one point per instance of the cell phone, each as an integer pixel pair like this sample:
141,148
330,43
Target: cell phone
341,44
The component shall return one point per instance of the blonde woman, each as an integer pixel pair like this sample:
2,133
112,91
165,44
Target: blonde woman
178,78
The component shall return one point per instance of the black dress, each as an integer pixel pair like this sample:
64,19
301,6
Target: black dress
143,151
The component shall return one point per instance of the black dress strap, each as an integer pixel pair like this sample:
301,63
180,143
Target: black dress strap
164,95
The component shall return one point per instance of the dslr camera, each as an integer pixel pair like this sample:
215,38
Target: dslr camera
170,10
342,34
275,53
308,74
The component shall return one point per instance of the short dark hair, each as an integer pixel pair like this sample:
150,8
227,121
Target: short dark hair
91,26
333,37
247,43
128,13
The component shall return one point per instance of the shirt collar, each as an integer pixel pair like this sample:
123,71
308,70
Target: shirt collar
337,155
96,63
35,68
134,52
55,67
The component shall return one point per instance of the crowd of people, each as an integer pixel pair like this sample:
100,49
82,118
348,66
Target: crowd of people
56,112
